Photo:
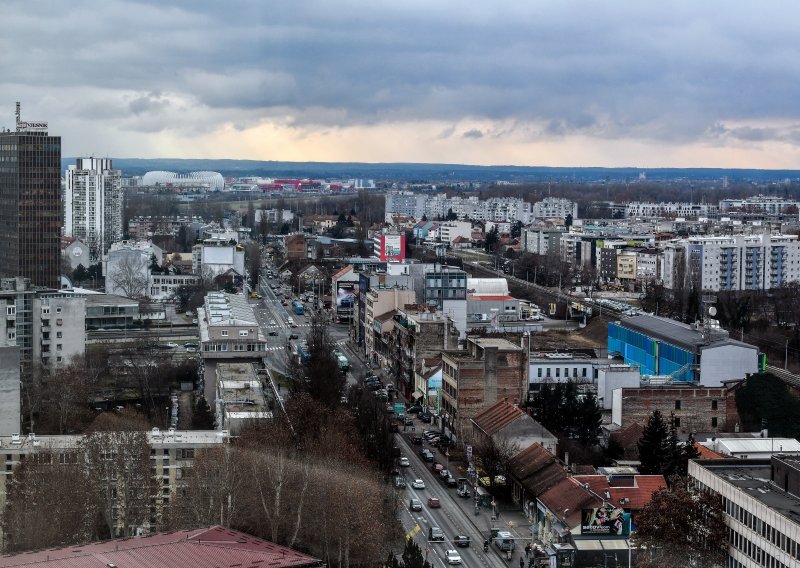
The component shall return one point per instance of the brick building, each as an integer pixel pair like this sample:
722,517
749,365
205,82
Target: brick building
295,246
696,409
489,370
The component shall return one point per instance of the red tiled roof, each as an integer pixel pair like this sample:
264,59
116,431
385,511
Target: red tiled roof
708,453
497,417
629,436
570,496
536,469
213,547
638,495
460,239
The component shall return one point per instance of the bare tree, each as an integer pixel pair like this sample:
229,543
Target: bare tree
47,503
120,482
130,276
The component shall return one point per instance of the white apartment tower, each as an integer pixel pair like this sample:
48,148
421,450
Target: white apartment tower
93,204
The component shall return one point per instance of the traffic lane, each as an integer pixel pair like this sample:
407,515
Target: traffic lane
440,517
453,520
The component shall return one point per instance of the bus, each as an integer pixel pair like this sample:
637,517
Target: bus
344,364
298,308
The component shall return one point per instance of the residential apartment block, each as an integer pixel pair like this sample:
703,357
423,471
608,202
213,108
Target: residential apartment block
93,204
554,207
674,210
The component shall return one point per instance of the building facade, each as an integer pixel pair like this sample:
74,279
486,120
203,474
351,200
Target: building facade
30,204
93,204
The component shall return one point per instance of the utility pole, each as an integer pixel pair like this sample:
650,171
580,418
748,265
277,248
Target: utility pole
786,356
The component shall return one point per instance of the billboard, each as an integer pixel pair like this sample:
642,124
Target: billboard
346,294
606,520
393,248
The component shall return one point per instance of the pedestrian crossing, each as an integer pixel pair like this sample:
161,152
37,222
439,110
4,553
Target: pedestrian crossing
413,532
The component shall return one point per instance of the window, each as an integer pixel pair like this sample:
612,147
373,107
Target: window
58,309
11,310
558,371
58,335
583,372
713,405
539,372
224,333
677,422
677,405
243,333
714,422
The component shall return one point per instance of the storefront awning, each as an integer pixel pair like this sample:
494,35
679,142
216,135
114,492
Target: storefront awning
416,395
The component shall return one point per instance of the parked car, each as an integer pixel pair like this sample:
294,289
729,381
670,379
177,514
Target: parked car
408,421
415,409
437,468
453,557
427,455
404,462
273,333
444,474
425,417
400,482
415,505
433,503
418,484
462,540
417,440
451,481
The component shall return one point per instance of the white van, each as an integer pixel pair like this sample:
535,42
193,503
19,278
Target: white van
290,320
505,541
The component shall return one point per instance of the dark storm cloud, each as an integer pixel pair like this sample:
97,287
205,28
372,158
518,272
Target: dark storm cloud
668,72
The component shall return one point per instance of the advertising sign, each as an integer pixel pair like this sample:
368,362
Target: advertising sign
606,520
393,248
345,294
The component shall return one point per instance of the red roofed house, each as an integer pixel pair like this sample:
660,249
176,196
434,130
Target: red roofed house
212,547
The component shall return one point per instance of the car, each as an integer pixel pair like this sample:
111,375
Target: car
194,321
418,484
433,503
444,474
415,505
404,462
417,440
273,322
408,421
428,455
170,345
451,482
294,336
400,415
192,345
273,333
190,349
462,540
400,482
453,557
437,468
415,409
435,533
425,417
428,434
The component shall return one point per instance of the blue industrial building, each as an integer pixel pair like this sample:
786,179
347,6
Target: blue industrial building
665,348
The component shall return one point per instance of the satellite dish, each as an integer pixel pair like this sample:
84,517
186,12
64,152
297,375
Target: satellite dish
712,311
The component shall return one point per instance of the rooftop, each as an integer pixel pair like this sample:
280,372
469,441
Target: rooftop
674,332
222,308
753,478
212,547
498,342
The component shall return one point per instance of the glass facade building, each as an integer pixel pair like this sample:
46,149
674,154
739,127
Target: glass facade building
30,206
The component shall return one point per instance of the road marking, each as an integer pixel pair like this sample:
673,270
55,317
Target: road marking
413,532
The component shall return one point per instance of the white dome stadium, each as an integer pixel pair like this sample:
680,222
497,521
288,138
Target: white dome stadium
213,180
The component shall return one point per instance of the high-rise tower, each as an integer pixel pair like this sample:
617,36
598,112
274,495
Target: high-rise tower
93,204
30,203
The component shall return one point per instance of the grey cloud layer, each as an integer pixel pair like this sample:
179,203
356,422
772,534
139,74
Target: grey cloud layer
675,72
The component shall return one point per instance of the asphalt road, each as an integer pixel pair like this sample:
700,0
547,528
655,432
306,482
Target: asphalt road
450,517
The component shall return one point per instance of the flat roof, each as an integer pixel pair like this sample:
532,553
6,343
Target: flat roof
753,478
677,333
499,342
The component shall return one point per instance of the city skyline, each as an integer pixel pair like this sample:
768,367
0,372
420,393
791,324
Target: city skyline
515,83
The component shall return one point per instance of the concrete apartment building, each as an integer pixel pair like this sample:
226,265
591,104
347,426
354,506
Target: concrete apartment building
378,302
414,334
542,241
736,262
30,203
662,209
766,203
554,207
172,452
761,499
229,333
48,326
93,204
488,370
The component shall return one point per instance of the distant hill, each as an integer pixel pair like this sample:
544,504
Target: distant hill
435,172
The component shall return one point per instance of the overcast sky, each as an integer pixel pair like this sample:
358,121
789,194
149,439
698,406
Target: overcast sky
497,82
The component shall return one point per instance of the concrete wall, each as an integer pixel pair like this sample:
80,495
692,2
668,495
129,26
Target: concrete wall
9,390
610,379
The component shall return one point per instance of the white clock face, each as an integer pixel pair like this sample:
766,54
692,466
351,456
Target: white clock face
77,252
